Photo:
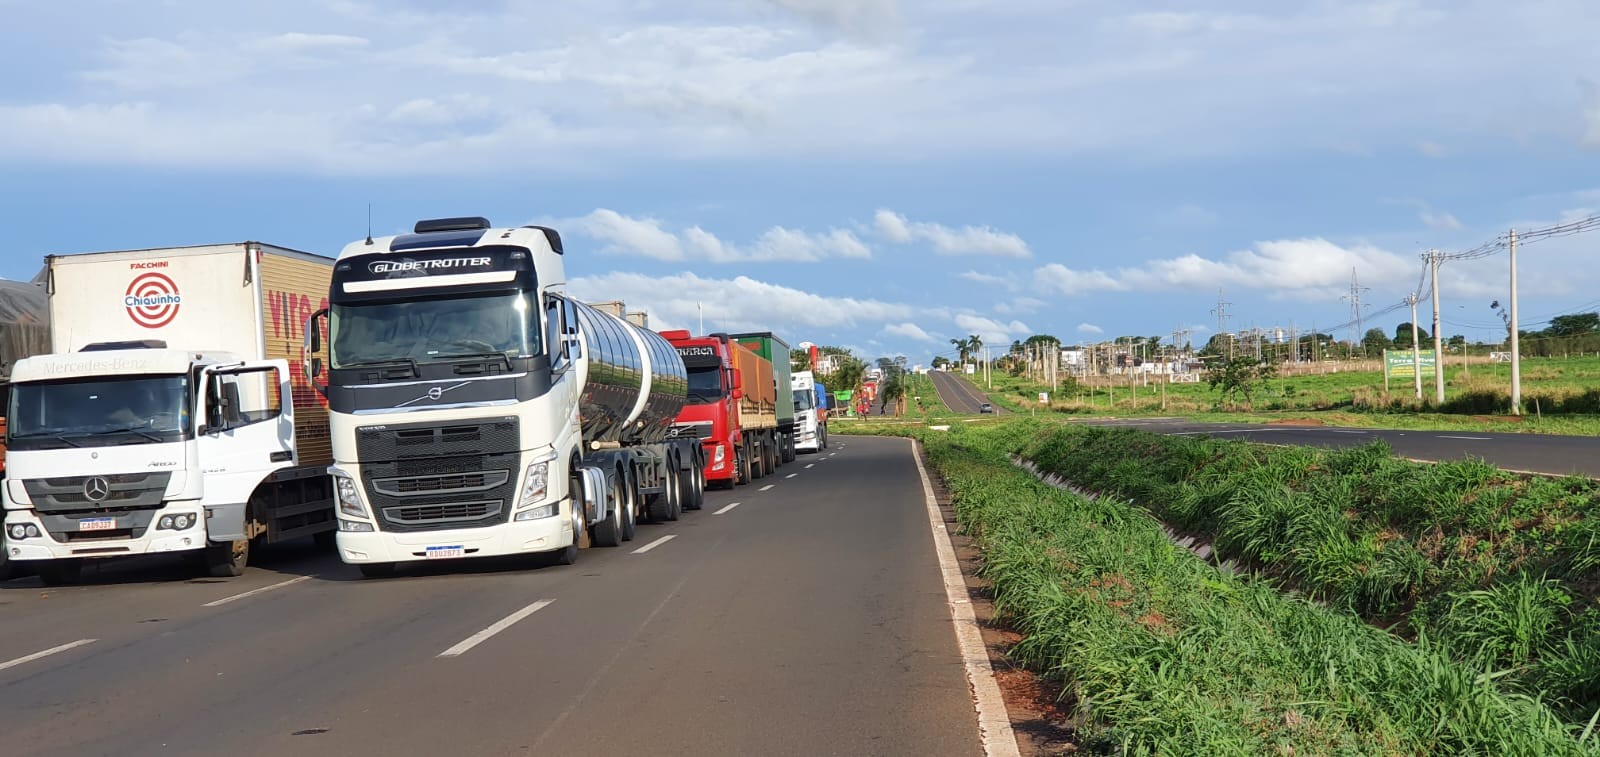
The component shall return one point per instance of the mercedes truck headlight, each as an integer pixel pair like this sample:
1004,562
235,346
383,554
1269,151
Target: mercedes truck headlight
176,522
20,531
349,496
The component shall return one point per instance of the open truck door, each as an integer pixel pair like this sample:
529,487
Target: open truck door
246,433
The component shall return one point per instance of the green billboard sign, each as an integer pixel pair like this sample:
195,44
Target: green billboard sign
1399,364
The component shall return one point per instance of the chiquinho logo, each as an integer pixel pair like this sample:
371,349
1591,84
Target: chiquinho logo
152,300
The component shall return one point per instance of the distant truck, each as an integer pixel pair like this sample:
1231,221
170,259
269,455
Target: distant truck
811,413
166,418
776,352
731,408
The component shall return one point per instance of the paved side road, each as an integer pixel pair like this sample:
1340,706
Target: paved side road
958,394
1539,453
803,614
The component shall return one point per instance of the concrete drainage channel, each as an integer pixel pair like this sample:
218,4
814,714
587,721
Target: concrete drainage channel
1199,546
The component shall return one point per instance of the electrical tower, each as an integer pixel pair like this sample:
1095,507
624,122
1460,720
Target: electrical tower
1221,312
1355,310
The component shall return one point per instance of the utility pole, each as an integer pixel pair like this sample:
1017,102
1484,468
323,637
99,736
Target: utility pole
1516,349
1434,257
1416,349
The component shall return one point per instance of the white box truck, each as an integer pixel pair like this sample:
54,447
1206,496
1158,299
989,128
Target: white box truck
167,416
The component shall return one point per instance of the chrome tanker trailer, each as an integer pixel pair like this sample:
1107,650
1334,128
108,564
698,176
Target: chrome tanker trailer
478,410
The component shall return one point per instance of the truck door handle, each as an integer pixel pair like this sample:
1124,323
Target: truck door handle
281,456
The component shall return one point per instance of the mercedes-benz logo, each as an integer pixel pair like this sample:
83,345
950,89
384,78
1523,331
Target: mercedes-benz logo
96,488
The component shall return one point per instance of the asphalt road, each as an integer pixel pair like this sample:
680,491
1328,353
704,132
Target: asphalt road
807,618
958,394
1539,453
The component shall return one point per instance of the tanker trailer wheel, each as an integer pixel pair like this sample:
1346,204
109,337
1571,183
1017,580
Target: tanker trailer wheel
608,532
630,512
666,506
696,487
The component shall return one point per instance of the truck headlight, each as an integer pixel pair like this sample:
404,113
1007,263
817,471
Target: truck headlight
176,522
718,456
355,526
349,496
535,485
20,531
538,513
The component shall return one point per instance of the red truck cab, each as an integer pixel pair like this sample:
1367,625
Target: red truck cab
712,413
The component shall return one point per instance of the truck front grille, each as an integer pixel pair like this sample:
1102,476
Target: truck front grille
413,486
698,430
123,492
442,514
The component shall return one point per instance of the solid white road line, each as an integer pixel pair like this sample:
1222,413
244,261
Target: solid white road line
725,509
768,486
791,475
993,721
46,653
1469,438
254,592
499,625
654,544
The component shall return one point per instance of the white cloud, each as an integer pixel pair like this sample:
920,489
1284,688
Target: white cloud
1432,149
648,238
1019,305
982,278
633,236
1089,328
967,240
995,334
910,331
737,304
1292,265
1439,221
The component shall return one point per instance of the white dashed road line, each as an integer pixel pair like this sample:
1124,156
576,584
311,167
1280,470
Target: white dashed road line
498,626
654,544
808,465
791,475
45,653
768,486
1468,438
254,592
725,509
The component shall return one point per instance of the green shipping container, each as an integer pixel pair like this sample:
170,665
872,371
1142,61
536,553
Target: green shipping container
774,349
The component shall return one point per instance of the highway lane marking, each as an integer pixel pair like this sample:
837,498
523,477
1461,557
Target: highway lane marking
808,465
498,626
46,653
725,509
994,723
254,592
654,544
768,486
791,475
1339,431
1469,438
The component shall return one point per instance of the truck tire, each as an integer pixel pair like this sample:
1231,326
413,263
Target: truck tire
378,569
580,538
745,472
758,460
226,559
697,488
608,532
630,513
665,506
789,453
59,572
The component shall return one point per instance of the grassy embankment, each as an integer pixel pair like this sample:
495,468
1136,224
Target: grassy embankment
1560,396
1162,652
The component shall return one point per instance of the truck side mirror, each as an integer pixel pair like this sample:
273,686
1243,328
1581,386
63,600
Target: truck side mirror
313,368
314,330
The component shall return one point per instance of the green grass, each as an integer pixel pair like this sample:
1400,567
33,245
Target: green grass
1500,570
1560,396
1160,653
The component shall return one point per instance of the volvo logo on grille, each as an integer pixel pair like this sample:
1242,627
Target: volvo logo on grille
435,393
96,489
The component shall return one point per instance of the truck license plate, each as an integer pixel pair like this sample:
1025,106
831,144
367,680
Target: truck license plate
437,553
97,524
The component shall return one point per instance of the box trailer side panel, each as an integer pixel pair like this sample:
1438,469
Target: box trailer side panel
293,286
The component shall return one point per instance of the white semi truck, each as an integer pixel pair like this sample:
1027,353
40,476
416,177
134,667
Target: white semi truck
478,410
166,417
810,413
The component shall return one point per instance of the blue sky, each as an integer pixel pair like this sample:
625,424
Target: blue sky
877,174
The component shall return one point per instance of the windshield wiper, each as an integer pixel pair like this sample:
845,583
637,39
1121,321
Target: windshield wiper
54,436
476,356
386,363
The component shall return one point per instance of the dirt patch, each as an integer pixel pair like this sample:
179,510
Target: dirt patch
1499,418
1296,422
1040,714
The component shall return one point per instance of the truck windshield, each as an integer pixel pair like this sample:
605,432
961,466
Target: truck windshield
804,399
427,330
705,385
98,412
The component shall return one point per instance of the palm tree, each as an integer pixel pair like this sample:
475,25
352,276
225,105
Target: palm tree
961,349
975,344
